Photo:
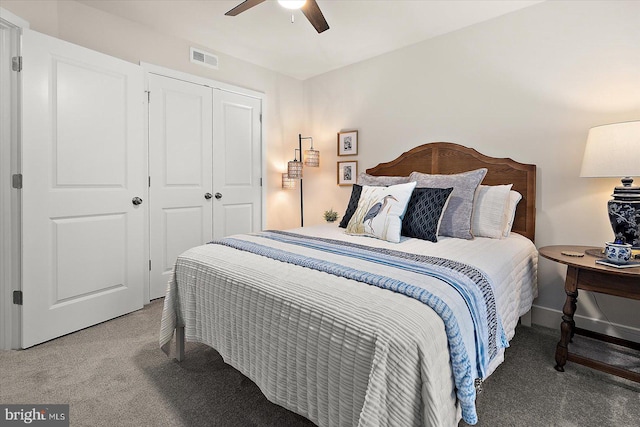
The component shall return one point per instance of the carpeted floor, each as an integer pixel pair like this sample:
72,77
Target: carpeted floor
113,374
526,390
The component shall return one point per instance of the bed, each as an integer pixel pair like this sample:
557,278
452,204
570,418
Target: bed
353,331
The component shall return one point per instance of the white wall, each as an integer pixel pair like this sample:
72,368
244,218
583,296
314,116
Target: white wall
527,85
103,32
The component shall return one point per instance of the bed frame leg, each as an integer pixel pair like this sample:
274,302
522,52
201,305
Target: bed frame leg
180,343
525,319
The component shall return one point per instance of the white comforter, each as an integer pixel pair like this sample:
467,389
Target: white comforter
336,351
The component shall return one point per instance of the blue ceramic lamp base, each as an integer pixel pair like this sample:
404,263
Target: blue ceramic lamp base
624,213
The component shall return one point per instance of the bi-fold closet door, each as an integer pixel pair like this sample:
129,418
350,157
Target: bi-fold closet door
204,169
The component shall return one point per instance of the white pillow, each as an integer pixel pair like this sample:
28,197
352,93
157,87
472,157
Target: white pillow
380,211
489,210
510,212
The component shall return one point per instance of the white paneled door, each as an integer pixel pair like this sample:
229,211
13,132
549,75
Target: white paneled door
237,172
180,167
83,163
205,167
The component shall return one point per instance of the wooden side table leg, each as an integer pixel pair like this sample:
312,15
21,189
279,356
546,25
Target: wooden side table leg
568,325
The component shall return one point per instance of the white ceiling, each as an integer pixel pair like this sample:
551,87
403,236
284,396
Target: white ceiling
264,34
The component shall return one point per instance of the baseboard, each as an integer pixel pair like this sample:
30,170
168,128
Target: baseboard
551,318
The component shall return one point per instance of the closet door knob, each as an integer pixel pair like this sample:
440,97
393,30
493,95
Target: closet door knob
218,196
136,201
207,196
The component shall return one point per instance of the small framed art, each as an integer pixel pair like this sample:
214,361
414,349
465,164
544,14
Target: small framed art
347,172
348,143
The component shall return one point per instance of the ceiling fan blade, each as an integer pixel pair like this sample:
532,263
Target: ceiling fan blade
312,11
246,4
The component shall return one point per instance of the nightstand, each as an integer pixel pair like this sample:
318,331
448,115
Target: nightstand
584,273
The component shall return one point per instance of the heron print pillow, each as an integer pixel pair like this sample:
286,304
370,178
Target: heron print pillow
380,211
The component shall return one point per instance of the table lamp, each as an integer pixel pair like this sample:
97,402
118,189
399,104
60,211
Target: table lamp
613,150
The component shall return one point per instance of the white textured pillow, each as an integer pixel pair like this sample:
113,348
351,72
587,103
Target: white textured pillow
380,211
489,210
510,212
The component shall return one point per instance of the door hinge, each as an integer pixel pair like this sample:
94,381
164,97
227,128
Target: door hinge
260,182
16,181
17,297
148,95
149,181
16,63
260,117
149,265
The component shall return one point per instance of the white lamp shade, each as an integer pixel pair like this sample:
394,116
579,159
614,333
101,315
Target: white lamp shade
612,151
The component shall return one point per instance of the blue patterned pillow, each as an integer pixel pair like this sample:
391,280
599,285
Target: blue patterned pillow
424,213
352,206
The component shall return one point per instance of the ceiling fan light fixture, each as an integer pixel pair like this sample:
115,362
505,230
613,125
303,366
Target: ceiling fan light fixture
292,4
309,9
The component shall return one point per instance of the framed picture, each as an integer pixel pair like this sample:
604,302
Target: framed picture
347,172
348,143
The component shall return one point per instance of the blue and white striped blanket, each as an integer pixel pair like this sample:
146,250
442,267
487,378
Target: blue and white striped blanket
474,338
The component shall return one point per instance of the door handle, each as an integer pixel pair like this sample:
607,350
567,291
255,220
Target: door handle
218,196
207,196
136,201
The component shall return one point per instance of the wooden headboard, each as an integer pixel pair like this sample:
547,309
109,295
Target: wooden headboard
448,158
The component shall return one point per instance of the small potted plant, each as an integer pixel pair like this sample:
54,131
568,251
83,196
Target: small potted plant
330,215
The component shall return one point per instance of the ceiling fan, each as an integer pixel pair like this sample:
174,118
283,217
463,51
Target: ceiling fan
309,8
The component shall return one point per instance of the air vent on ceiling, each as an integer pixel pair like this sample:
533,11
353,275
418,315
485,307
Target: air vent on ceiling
204,58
